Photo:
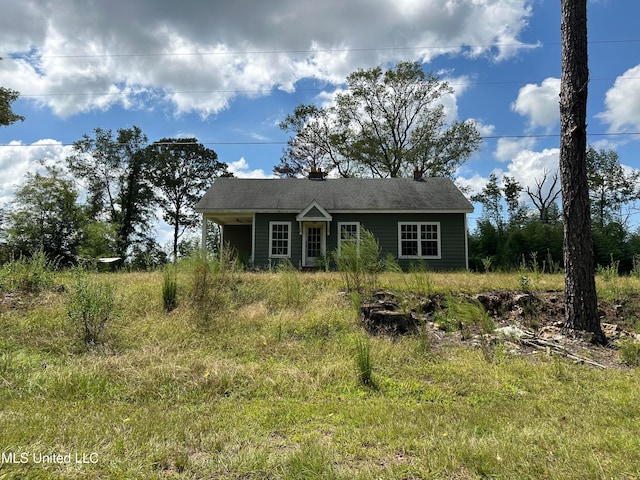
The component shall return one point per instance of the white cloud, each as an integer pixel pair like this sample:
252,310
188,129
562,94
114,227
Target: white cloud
485,130
529,167
472,185
540,103
198,57
508,148
623,103
526,166
241,169
17,159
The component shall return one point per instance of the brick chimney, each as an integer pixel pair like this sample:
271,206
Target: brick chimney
417,174
316,174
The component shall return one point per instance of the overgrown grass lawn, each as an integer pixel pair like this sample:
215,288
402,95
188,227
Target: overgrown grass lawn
264,385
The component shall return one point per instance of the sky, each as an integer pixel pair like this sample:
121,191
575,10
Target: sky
227,73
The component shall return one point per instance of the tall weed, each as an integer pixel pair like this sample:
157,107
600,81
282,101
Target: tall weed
91,307
609,272
212,279
462,314
630,353
28,274
291,288
170,289
359,263
364,364
419,280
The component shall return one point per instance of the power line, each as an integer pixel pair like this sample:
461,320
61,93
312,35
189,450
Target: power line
269,90
29,56
485,137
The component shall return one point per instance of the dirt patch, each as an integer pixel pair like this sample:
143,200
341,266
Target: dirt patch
527,323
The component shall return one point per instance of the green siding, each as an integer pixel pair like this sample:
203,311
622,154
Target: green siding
261,258
239,237
385,229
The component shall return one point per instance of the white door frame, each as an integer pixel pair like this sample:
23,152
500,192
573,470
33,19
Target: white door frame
311,261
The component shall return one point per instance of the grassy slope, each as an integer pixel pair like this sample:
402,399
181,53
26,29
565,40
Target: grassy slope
267,387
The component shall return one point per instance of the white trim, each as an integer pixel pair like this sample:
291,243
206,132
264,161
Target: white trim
253,239
203,238
466,242
271,225
323,240
340,224
419,241
301,217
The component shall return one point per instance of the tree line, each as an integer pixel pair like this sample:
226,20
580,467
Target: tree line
512,233
102,202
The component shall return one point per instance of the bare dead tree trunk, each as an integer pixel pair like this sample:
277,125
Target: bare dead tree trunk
541,201
580,288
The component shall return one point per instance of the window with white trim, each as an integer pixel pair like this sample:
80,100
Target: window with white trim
419,240
279,239
349,232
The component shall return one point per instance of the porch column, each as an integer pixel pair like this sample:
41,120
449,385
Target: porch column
205,227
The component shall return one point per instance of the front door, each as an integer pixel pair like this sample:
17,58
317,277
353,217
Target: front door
314,243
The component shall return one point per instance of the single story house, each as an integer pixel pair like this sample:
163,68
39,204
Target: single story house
305,219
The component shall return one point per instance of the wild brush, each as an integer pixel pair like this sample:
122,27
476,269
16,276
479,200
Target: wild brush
363,361
31,274
170,289
630,353
91,306
359,262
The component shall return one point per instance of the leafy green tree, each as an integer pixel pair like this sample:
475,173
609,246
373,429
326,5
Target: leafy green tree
610,187
45,216
386,124
7,97
98,240
491,200
485,244
516,211
315,144
610,243
117,177
182,170
147,255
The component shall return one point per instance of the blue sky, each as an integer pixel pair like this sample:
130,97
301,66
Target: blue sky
229,72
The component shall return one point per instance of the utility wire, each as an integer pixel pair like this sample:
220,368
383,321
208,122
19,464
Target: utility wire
484,137
152,90
31,55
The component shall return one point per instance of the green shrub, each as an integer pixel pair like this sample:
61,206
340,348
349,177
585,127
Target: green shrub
27,274
213,277
419,279
290,286
609,272
630,353
445,322
170,289
359,262
91,306
462,314
363,361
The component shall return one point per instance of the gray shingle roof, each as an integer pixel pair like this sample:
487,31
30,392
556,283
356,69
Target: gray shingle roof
337,194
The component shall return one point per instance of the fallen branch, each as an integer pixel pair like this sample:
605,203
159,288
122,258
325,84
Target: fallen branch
547,346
